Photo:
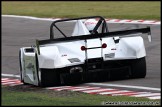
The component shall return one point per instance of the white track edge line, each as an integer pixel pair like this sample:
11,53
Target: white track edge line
110,21
125,86
10,75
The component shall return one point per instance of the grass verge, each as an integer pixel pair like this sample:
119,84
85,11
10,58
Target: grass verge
70,9
21,96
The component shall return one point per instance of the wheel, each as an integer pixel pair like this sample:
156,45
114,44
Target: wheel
47,77
138,68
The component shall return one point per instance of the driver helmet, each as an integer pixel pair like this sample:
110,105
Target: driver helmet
90,24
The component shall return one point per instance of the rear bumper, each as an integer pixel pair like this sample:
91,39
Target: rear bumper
95,75
109,70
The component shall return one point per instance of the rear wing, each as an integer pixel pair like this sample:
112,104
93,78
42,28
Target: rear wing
124,33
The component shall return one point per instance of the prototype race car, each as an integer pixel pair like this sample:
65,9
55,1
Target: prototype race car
83,50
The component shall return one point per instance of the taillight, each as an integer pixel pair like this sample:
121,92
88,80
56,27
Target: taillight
83,48
104,45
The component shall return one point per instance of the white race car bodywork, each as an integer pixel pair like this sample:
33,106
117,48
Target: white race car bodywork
57,55
64,54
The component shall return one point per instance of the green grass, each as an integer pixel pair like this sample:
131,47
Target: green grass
71,9
42,97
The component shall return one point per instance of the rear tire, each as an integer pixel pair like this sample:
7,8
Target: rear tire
47,77
138,68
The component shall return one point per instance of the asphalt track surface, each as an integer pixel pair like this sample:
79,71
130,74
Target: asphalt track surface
21,32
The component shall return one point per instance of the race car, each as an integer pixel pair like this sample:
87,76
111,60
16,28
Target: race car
83,50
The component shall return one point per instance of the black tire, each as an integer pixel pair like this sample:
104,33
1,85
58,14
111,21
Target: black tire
138,68
48,77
